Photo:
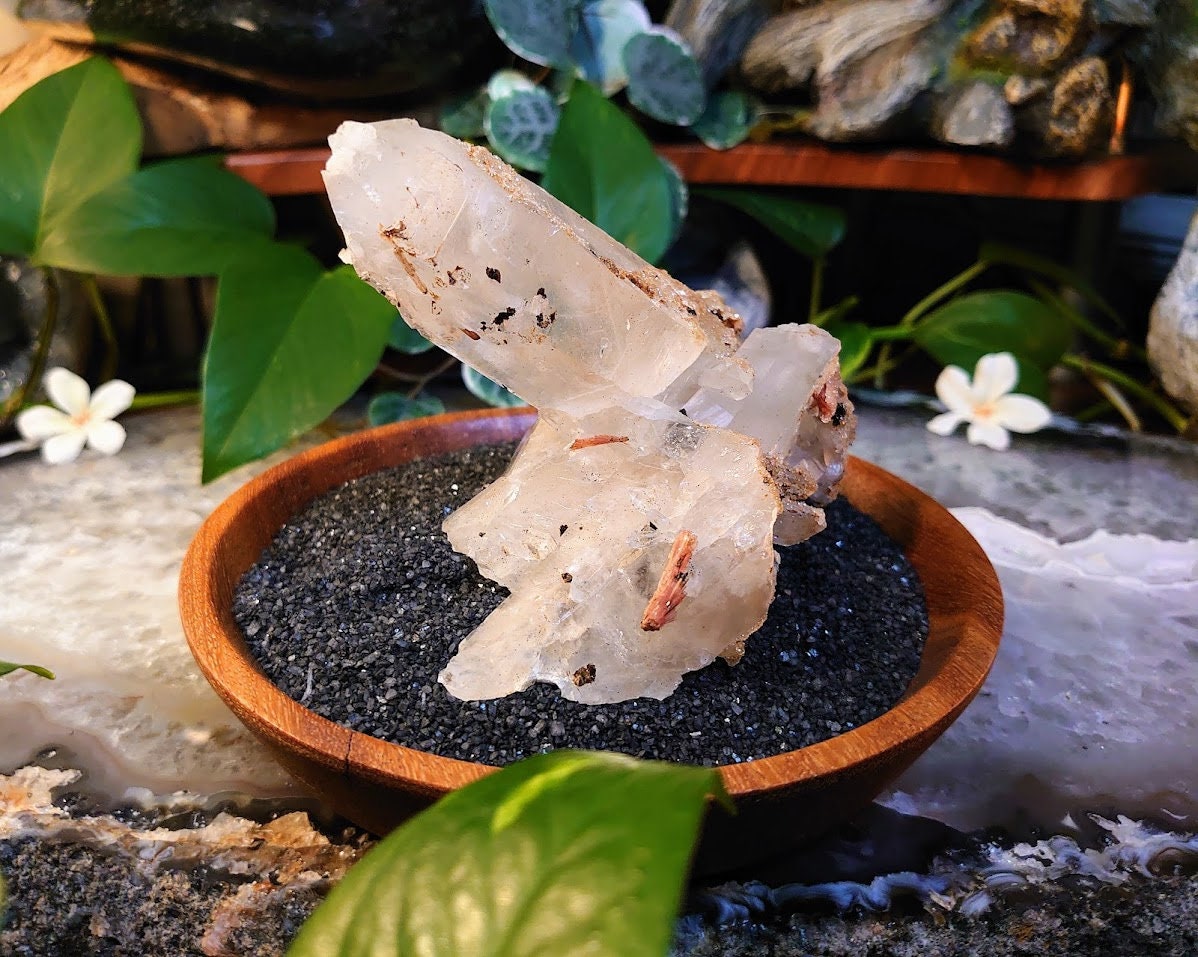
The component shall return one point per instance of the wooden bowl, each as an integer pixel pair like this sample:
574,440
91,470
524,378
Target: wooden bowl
781,801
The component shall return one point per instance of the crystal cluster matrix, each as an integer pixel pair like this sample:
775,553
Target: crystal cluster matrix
635,527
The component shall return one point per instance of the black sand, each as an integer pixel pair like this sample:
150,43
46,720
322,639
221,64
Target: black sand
360,602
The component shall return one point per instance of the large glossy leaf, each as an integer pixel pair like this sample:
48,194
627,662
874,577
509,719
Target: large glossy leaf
8,667
969,327
603,166
538,30
810,228
855,345
565,853
598,46
1022,259
521,125
183,217
664,78
63,140
387,407
490,391
290,342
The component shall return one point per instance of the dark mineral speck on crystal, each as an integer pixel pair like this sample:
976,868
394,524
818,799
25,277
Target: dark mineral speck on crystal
360,601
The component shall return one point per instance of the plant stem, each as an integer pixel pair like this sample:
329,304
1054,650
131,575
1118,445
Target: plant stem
153,400
104,321
1090,368
41,351
1119,401
890,333
943,292
817,291
445,366
1118,348
920,308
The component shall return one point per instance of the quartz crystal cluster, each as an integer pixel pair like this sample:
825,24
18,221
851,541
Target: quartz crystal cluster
635,527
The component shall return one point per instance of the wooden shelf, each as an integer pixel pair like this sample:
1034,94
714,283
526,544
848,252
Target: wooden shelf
295,172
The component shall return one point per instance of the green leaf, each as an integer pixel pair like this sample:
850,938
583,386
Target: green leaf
503,82
8,667
664,78
403,338
971,326
290,342
855,345
538,30
602,166
999,253
564,853
181,217
810,228
598,46
63,140
463,115
387,407
521,125
679,197
489,391
727,120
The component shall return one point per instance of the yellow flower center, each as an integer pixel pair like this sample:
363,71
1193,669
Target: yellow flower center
985,411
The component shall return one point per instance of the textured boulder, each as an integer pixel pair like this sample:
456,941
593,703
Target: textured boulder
1173,328
865,61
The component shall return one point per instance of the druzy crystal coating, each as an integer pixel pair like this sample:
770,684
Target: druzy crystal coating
635,527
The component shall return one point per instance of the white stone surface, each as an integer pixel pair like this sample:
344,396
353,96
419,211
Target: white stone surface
90,553
1092,704
1086,642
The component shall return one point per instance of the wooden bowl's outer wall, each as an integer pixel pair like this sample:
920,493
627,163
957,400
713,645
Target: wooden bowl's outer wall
780,800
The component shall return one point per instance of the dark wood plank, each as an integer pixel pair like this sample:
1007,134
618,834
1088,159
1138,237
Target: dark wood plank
297,172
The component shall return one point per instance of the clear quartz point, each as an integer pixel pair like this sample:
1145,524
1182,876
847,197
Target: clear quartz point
635,527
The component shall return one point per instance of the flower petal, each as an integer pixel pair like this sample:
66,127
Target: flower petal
1021,413
65,447
953,389
67,391
111,399
106,437
988,433
40,422
945,422
995,375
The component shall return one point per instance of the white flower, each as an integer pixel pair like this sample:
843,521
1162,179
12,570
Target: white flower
985,403
84,418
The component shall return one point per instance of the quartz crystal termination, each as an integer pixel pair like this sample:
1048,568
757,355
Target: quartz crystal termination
635,526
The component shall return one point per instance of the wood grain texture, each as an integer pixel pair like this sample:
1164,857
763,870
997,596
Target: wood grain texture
806,163
780,800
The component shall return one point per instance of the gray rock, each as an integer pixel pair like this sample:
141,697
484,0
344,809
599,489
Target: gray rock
866,61
1033,37
22,309
1074,117
974,114
1173,327
1171,65
1127,13
717,30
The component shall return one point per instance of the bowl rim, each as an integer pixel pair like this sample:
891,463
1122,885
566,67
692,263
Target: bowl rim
964,600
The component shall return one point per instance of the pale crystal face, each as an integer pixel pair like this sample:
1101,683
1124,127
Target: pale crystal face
635,526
